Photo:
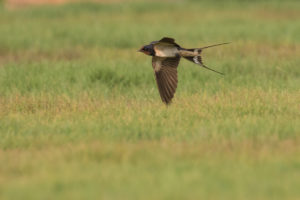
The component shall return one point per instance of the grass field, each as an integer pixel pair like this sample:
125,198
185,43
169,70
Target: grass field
81,117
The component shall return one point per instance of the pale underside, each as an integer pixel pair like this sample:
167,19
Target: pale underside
165,50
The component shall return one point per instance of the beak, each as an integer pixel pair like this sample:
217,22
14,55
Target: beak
141,49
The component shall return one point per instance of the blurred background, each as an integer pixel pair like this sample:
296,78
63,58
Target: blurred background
81,116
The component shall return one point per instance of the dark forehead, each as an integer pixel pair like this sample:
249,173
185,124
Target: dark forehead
148,46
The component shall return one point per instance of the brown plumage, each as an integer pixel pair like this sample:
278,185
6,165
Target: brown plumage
166,55
166,76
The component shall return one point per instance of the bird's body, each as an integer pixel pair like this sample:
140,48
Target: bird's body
166,55
165,50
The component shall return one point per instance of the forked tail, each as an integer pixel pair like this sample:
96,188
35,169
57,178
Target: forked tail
194,56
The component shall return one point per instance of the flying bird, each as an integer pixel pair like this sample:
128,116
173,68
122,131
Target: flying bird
166,55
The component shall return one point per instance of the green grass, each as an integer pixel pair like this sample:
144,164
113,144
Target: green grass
81,117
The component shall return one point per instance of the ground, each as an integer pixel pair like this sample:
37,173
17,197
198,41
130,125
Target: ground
81,117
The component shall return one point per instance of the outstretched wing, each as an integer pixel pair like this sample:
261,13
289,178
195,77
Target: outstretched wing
166,76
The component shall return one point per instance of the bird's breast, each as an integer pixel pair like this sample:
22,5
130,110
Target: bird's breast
163,50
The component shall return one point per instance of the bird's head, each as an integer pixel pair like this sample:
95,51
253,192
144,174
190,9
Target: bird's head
147,49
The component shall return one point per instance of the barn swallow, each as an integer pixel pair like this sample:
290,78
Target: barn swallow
166,55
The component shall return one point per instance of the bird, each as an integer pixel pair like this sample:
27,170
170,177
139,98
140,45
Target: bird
166,55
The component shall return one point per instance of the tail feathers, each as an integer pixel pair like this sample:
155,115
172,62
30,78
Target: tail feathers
194,56
214,45
195,59
198,60
199,50
212,69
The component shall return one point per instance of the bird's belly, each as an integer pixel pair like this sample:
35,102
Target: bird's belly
165,50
